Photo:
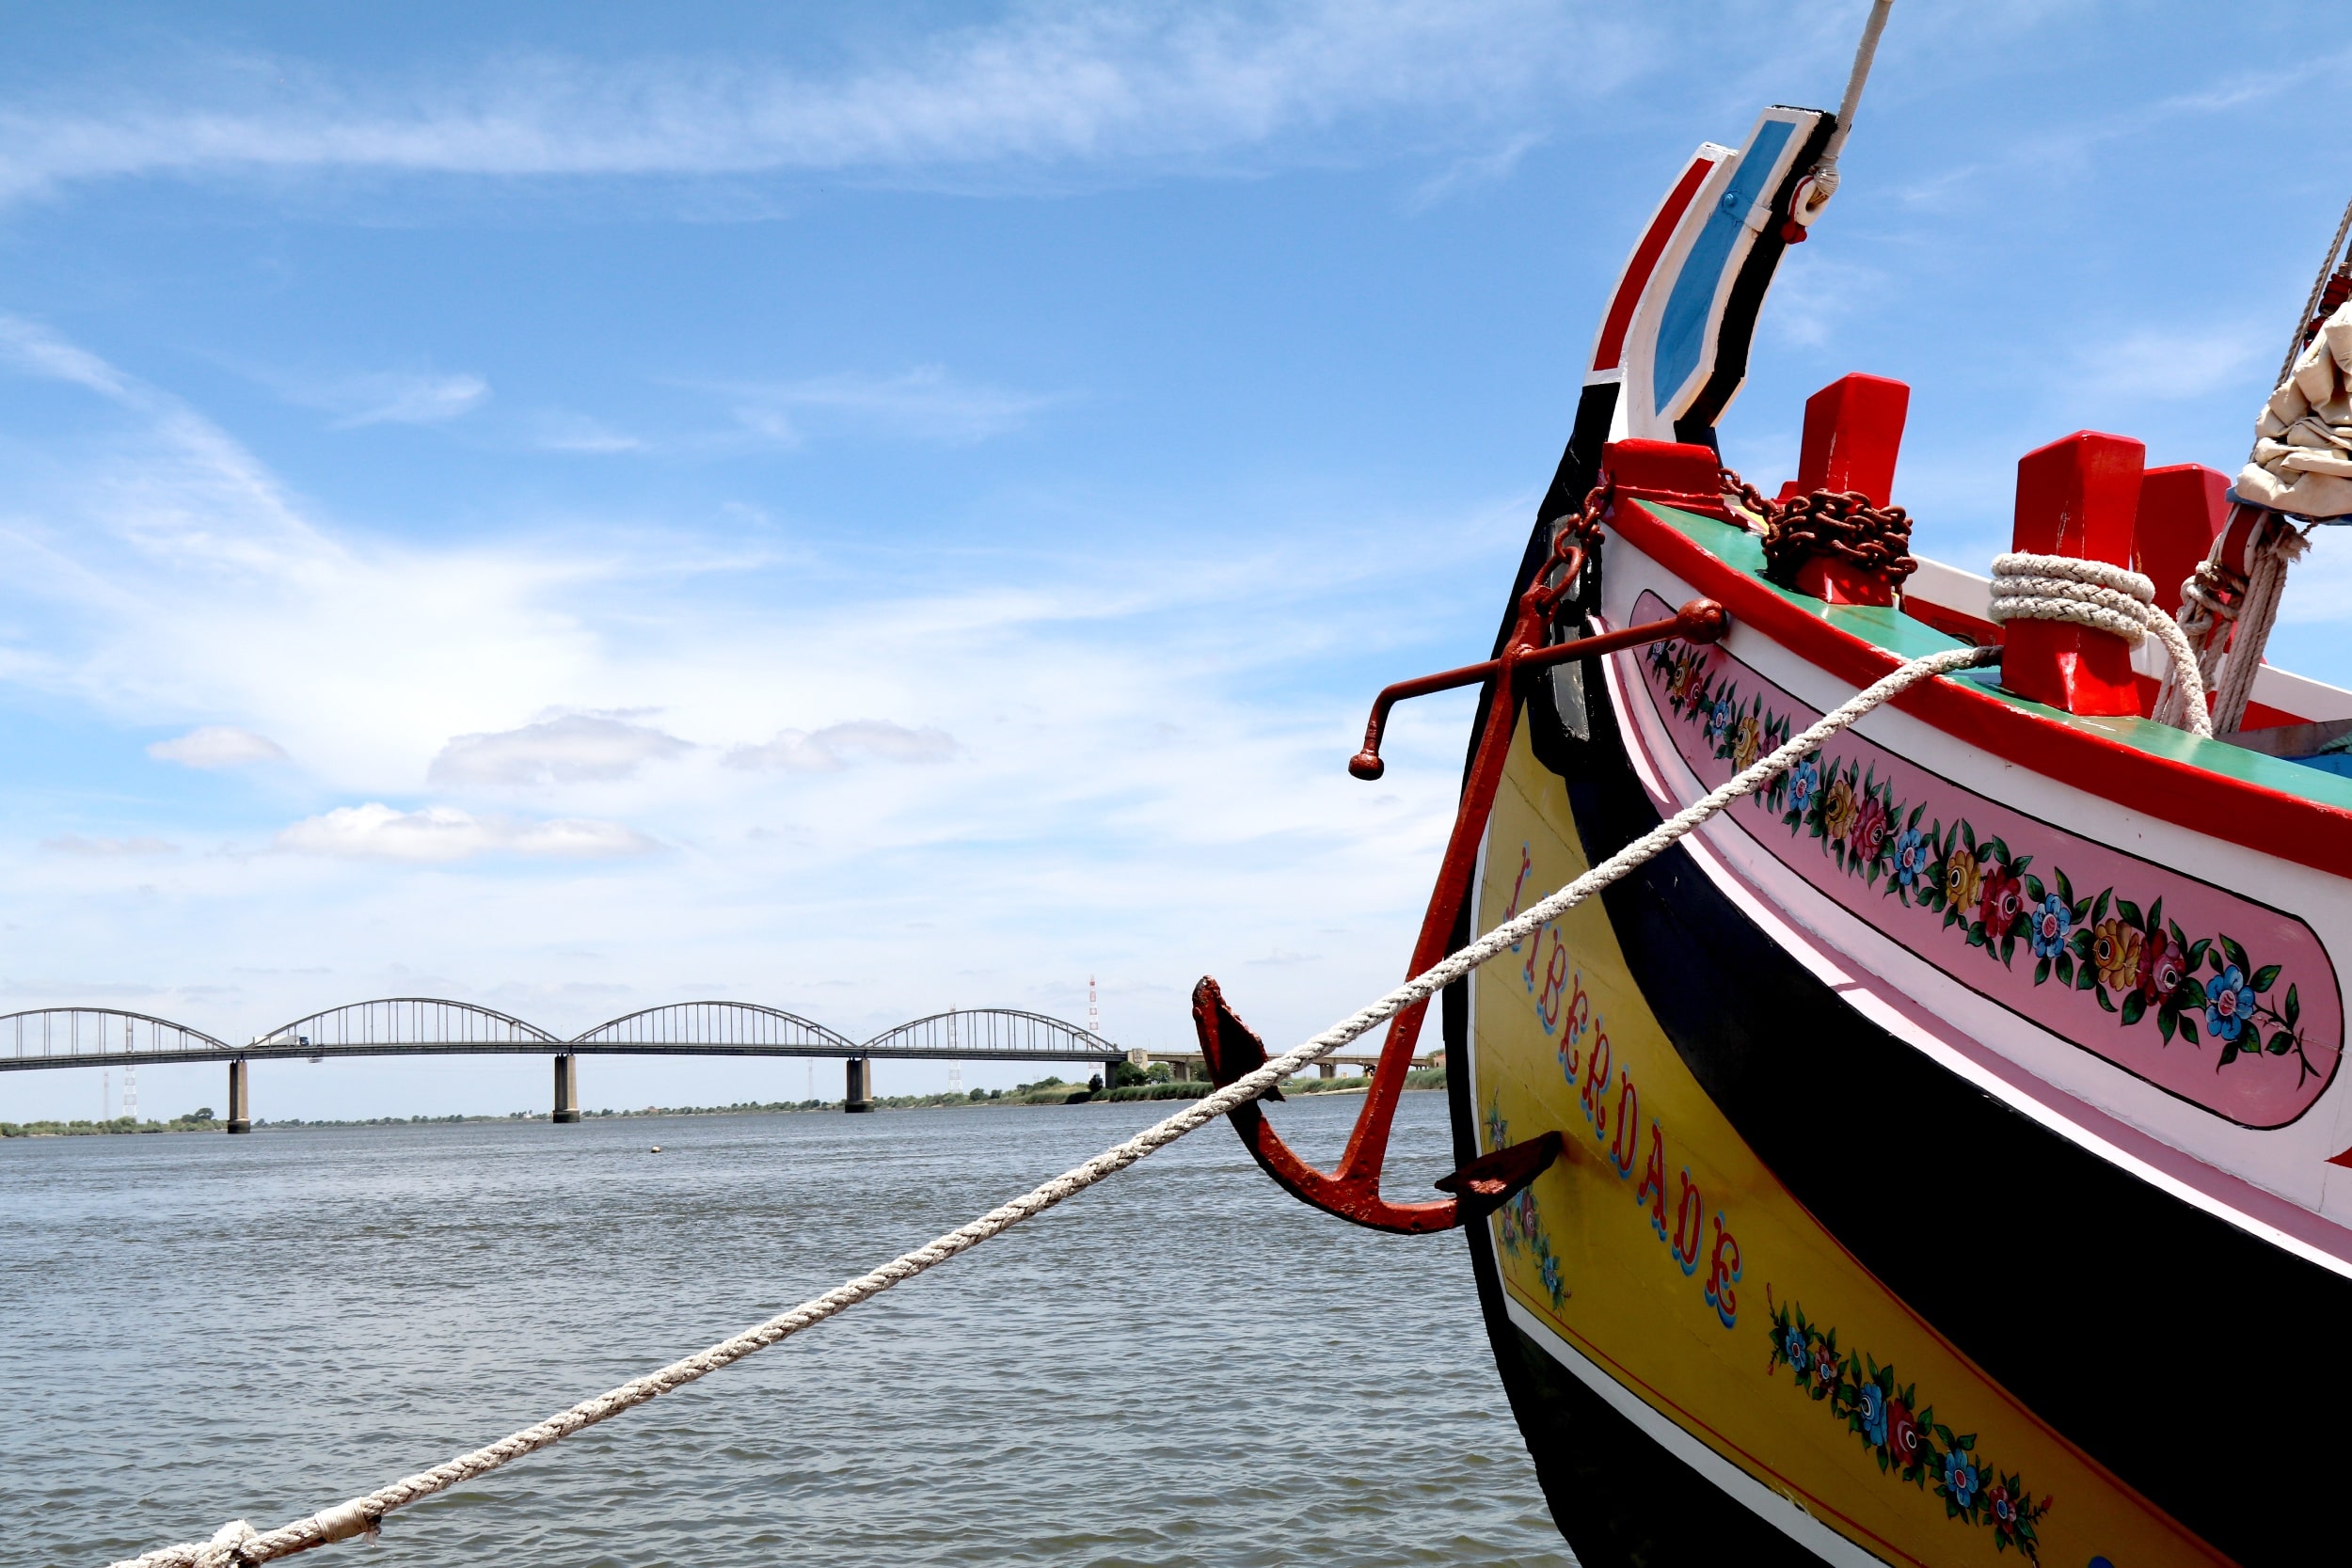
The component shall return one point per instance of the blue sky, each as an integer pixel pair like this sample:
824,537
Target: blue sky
882,507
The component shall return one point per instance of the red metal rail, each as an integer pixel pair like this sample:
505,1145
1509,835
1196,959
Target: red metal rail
1353,1192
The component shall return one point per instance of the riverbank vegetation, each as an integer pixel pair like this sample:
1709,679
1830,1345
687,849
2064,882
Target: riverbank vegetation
200,1120
1046,1091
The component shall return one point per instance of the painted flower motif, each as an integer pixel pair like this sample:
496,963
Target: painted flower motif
1840,809
1793,1347
2164,969
1963,879
1871,825
1961,1479
2003,1505
1911,861
2052,920
1825,1367
1804,783
2001,902
1743,743
2115,948
1874,1412
1904,1440
2229,1001
1687,676
1552,1277
1719,719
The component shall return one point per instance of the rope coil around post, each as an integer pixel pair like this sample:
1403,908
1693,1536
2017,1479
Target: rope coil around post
2105,598
237,1545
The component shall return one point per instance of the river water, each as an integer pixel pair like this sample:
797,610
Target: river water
1181,1366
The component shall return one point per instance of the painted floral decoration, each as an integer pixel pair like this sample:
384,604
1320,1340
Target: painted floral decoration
1519,1222
1904,1436
2133,962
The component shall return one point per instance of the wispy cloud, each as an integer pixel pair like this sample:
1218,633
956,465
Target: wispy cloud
75,844
1054,85
217,746
833,748
400,398
925,404
377,832
575,749
1473,170
558,431
2157,362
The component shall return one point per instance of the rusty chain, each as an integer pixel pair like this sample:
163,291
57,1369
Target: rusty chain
1842,524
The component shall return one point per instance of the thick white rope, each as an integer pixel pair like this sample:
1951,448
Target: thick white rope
1824,175
238,1544
2105,598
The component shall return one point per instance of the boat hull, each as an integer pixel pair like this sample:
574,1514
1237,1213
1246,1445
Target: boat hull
1805,1290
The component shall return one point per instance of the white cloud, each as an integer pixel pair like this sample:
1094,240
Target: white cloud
2157,362
1053,85
1125,715
377,832
556,431
575,749
925,404
217,746
403,399
833,747
75,844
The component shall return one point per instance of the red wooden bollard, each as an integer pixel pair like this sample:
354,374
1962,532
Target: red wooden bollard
1853,432
1675,473
2078,496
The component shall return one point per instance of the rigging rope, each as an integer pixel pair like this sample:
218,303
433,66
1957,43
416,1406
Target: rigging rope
238,1544
1824,176
2105,598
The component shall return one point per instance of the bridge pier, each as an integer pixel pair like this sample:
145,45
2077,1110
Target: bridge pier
567,1087
860,1089
240,1097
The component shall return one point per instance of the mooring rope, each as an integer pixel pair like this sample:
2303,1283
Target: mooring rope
2105,598
238,1542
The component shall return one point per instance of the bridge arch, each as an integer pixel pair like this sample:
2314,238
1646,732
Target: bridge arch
713,1029
95,1037
1005,1032
403,1025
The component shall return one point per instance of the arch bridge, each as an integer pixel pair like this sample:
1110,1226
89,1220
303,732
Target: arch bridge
435,1027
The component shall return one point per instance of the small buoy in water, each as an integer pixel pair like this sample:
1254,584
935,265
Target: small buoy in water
656,1149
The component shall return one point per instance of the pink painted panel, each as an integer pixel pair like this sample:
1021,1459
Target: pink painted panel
2204,992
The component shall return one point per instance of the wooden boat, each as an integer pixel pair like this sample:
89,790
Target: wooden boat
1941,1152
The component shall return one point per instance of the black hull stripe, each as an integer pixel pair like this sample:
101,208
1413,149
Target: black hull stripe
2197,1362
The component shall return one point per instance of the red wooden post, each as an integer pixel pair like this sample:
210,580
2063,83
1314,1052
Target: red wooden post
1670,472
1854,430
2078,496
2181,509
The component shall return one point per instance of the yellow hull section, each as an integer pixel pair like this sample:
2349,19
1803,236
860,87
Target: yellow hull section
1662,1251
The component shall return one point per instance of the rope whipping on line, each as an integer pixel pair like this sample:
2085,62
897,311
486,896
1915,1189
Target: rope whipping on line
237,1544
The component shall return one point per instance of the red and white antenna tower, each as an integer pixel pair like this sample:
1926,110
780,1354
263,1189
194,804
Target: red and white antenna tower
1094,1014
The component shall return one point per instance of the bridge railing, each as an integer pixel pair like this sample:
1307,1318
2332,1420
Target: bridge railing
391,1025
713,1028
426,1026
991,1031
90,1035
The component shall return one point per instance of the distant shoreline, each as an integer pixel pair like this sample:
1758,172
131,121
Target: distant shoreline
1042,1094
